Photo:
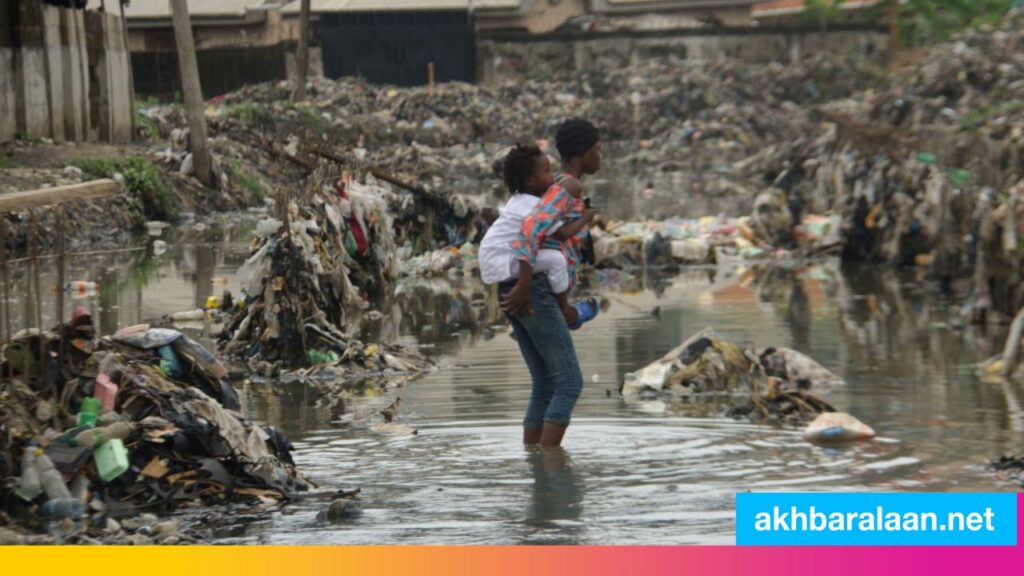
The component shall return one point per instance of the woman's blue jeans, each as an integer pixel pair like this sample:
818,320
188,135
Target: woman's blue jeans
547,347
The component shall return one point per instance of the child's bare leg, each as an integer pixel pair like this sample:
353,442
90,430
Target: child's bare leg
571,316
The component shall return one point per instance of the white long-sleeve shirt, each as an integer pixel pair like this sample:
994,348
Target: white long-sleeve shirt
497,258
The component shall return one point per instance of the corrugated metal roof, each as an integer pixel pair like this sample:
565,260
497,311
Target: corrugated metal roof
781,7
162,8
385,5
670,4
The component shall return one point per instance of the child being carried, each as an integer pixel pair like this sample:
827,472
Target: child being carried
527,173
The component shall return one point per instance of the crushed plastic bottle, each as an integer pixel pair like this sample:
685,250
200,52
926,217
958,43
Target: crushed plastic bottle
30,485
60,508
53,482
96,436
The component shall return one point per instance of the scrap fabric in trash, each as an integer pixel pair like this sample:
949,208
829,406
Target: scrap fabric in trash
337,253
768,386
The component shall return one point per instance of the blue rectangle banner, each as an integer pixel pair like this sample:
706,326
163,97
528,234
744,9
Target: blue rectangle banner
876,519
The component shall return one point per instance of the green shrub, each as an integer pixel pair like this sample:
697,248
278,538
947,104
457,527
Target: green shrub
143,182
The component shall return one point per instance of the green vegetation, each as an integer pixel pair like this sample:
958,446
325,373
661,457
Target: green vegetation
252,115
5,162
924,22
148,128
245,180
822,11
143,181
145,126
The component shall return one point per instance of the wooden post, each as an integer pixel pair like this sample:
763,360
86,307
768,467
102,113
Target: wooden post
131,74
60,264
894,31
430,79
192,91
33,247
3,273
303,64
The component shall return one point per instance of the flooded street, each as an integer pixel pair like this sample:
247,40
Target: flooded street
644,472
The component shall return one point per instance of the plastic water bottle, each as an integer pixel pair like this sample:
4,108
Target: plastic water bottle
88,412
31,484
59,508
53,482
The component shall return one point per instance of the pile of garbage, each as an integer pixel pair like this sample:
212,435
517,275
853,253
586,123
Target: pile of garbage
109,433
768,386
332,250
1013,465
715,239
918,167
444,261
441,139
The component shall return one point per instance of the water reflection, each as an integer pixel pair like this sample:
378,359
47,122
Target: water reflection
556,498
135,285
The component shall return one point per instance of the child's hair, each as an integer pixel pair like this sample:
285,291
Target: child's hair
519,165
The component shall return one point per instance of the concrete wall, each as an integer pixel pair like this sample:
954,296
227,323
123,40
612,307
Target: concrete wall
514,57
63,74
110,102
8,105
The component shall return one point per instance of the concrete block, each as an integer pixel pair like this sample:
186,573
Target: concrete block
8,121
71,53
33,110
54,65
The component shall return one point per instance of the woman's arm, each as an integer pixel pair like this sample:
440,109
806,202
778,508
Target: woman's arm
573,228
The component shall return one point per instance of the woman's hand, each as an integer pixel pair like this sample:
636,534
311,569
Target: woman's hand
519,299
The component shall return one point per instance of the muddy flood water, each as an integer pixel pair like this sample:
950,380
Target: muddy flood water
631,473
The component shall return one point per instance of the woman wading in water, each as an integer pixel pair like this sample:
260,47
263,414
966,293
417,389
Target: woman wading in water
528,300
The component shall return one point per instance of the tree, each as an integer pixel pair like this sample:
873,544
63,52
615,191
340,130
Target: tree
924,22
822,12
303,64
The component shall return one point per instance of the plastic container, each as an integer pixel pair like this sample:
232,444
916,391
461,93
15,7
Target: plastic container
88,412
106,392
169,362
97,436
60,508
31,484
52,480
81,289
111,459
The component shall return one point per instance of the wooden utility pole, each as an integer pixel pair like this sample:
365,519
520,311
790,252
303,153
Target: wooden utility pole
300,81
131,74
192,91
894,31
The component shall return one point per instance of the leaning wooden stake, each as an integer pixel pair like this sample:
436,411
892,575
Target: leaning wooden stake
60,264
37,293
1012,349
192,91
303,64
3,276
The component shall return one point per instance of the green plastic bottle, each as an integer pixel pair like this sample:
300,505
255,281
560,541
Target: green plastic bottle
88,412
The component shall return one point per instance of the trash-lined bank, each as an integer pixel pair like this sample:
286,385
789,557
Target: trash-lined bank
633,468
141,422
377,204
